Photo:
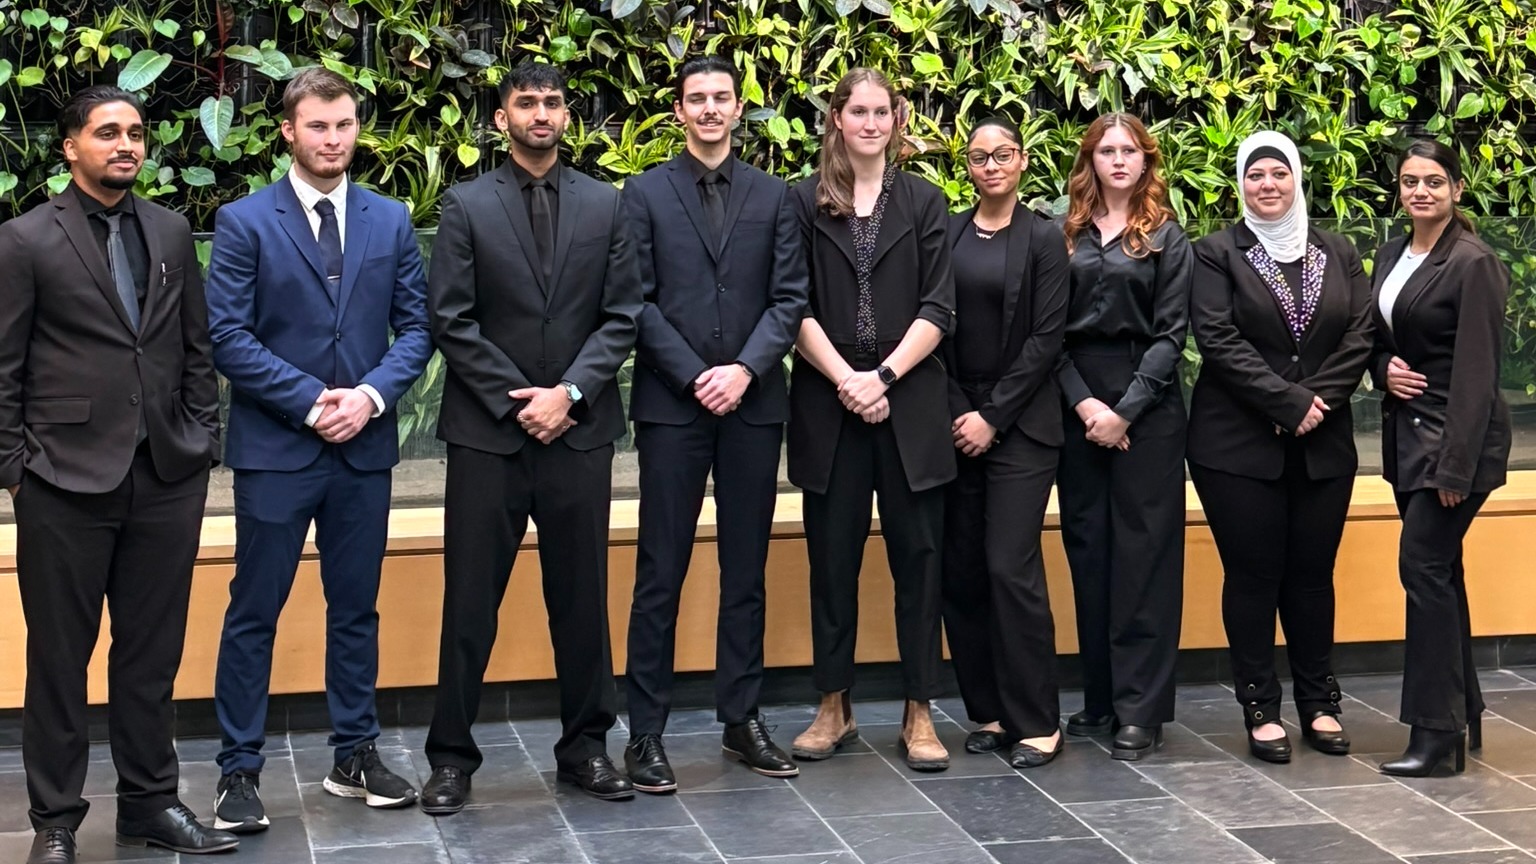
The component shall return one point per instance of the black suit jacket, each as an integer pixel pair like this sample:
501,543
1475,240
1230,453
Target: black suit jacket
1448,324
911,280
1253,374
1037,283
501,327
75,377
708,307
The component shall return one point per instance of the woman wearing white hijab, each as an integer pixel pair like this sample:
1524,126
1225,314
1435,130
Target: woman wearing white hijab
1281,313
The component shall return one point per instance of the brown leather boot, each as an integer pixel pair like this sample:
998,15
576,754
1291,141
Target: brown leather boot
919,740
833,727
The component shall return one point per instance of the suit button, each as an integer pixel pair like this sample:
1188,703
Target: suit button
134,399
541,364
338,336
1416,421
549,320
139,351
1295,358
721,288
717,333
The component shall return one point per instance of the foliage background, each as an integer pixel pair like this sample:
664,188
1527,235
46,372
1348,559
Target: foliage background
1350,81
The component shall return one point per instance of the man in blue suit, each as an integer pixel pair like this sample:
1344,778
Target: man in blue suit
308,278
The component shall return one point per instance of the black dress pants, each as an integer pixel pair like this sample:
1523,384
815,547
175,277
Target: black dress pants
133,547
1440,686
997,612
488,499
867,463
1122,523
1278,540
675,463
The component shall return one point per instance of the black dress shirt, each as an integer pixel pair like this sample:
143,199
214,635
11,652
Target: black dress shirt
133,236
980,272
525,185
701,173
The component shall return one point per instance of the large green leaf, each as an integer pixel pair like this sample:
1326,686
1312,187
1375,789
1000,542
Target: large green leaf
142,70
216,115
196,175
5,72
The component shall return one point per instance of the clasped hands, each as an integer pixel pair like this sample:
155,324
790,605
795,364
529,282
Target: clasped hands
720,388
1104,427
344,411
547,414
863,393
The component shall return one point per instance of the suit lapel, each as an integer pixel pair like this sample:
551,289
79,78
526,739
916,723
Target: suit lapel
72,219
517,213
1418,284
565,226
1385,261
839,233
688,195
895,224
291,216
741,190
355,250
1017,258
149,226
1246,242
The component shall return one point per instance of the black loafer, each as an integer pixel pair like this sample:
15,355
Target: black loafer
1084,723
177,829
749,744
984,741
597,777
1332,743
1024,756
53,845
646,763
1276,750
446,791
1135,742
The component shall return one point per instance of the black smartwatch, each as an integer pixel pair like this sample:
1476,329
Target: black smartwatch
887,375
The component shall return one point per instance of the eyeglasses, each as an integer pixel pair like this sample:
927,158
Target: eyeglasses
1002,156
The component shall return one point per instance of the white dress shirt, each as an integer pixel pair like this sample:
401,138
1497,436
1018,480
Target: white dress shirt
1393,284
309,196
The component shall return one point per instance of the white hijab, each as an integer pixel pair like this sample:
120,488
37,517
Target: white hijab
1285,238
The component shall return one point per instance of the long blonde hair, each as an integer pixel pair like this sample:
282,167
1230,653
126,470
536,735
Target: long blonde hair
1149,200
834,194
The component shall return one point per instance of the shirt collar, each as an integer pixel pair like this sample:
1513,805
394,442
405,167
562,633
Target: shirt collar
524,178
309,196
92,207
699,169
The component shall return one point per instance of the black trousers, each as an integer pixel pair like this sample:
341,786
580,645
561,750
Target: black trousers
997,612
675,463
1278,540
837,525
1122,523
488,500
1440,686
133,547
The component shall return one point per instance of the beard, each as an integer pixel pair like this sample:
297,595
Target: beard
119,184
322,169
525,138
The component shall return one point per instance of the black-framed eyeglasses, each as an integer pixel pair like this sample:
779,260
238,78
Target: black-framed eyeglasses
1002,156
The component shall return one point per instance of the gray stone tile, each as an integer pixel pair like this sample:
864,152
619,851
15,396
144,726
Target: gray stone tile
700,766
529,832
1210,716
748,823
586,813
858,786
1478,788
886,740
1232,795
1084,772
507,776
1507,747
703,720
14,803
15,845
285,841
1163,831
1308,769
207,749
1497,856
1400,820
929,838
1516,705
1323,843
658,846
991,809
1181,746
825,858
334,822
1516,827
1371,731
1092,851
405,853
10,759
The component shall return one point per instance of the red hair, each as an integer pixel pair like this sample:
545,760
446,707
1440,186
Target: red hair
1149,200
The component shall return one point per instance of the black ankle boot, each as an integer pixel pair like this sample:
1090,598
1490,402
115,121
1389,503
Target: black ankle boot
1475,731
1427,748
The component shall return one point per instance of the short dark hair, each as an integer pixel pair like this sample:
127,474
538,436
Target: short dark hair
315,81
705,64
1009,128
530,75
77,111
1429,148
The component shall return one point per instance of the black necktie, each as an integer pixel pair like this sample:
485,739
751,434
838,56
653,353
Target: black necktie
543,226
714,205
330,239
122,274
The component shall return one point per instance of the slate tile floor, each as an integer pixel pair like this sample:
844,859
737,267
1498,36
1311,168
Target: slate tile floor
1201,800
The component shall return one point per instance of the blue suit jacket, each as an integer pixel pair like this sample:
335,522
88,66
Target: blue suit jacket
281,334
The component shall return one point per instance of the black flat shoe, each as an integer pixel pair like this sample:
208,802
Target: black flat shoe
749,744
984,741
1277,750
1084,723
1427,748
53,845
597,777
646,764
1025,756
446,791
1135,742
1332,743
177,829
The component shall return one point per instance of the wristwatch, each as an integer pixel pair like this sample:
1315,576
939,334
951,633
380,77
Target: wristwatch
887,375
572,392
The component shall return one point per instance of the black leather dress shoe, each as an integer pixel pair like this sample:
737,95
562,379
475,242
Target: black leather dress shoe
1084,723
1025,756
984,741
1135,742
597,777
446,791
646,764
177,829
1276,750
749,744
1332,743
55,845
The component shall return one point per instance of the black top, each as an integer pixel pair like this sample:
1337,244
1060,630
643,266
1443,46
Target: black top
1293,271
699,169
979,278
133,236
1141,301
525,185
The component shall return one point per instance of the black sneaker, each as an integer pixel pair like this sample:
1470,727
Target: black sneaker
237,806
364,776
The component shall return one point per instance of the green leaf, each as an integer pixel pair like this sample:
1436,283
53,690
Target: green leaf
468,154
8,182
1471,105
5,72
58,183
846,7
199,37
778,130
295,14
453,70
59,23
197,176
927,63
245,54
562,49
625,8
35,18
879,7
275,64
450,114
216,114
30,76
167,28
476,57
345,15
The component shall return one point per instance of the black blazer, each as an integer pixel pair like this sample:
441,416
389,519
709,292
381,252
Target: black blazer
1448,324
500,327
74,377
912,280
1253,374
1037,283
706,307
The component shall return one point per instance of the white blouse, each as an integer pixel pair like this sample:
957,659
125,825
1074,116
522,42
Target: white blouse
1393,284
